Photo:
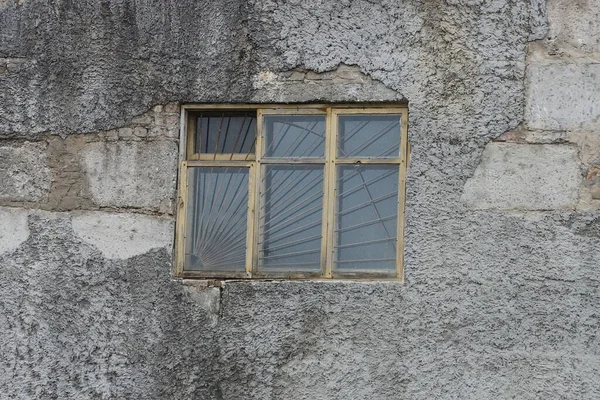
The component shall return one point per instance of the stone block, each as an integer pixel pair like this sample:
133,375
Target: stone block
123,235
593,180
576,23
589,146
563,96
525,177
131,174
14,229
24,173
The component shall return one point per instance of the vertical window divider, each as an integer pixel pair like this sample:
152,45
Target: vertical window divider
258,187
251,220
181,218
331,146
402,195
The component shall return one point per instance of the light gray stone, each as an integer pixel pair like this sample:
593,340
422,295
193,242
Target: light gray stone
525,177
13,228
24,173
131,174
124,235
589,146
495,304
563,96
576,22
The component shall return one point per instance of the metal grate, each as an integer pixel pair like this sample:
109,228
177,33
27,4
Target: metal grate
222,133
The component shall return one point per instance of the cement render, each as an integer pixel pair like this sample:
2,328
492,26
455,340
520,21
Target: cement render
495,304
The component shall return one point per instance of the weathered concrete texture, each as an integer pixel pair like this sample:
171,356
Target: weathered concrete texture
131,174
343,84
487,320
576,23
563,96
13,228
525,177
91,66
24,173
121,236
74,324
495,304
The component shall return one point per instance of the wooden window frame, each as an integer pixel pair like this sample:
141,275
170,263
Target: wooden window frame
254,162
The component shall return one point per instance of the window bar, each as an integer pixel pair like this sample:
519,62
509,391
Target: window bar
246,134
217,234
351,135
298,141
305,188
198,142
219,136
366,223
366,187
251,148
207,133
273,142
296,230
226,131
373,138
237,138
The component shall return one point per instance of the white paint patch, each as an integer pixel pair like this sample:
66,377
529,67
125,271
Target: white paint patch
14,229
120,236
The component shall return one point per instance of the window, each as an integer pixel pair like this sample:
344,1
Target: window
310,191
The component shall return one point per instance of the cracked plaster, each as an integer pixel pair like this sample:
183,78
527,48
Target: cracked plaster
494,305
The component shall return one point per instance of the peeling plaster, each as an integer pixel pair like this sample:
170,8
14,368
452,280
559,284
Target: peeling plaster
120,236
13,228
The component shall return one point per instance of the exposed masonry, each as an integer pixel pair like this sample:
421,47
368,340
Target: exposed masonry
562,109
344,83
132,168
502,285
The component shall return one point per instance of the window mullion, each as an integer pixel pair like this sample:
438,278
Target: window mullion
402,196
258,187
181,218
328,246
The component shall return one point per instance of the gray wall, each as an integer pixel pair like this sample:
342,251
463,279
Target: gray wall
501,296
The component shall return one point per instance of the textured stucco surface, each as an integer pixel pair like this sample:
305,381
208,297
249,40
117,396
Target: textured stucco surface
495,304
23,172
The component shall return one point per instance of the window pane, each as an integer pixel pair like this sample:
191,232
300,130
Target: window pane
369,135
217,219
367,218
225,133
291,218
294,136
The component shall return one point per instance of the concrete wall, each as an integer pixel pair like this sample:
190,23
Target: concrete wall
502,291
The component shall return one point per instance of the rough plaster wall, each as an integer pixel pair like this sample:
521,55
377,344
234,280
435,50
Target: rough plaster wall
499,302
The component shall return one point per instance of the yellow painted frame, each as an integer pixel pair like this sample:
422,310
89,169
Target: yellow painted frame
254,162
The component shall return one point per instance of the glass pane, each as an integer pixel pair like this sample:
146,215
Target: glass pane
369,135
291,218
217,219
367,218
294,135
225,133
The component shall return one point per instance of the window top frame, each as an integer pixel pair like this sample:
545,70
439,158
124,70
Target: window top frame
331,112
